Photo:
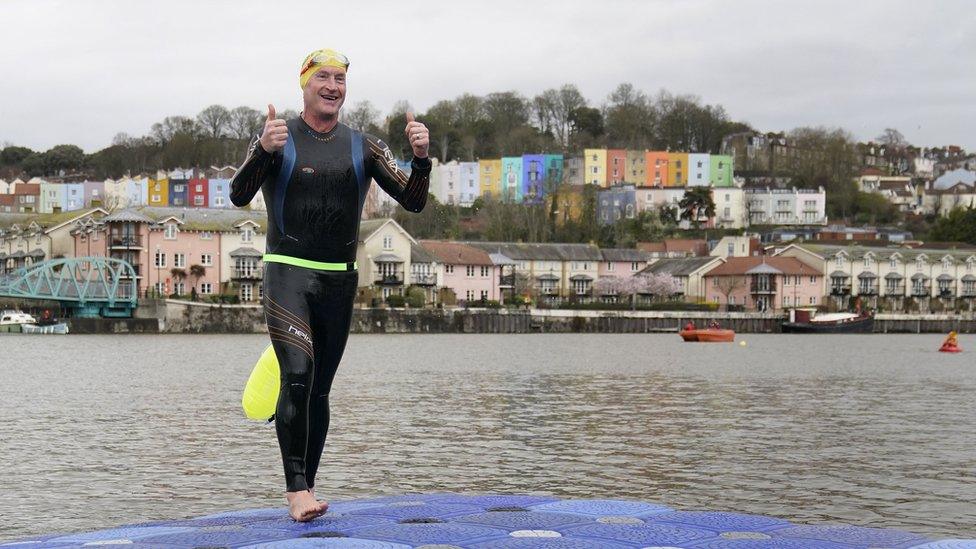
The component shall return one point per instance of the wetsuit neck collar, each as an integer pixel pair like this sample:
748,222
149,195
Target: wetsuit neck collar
306,127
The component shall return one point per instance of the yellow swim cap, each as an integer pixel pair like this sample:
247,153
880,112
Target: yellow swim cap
321,58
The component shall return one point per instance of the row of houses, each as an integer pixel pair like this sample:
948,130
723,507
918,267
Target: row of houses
182,251
736,207
953,189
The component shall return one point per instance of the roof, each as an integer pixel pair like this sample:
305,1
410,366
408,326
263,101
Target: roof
764,268
197,219
683,266
694,246
370,226
653,247
128,216
501,259
419,255
46,220
27,189
883,251
541,252
456,253
624,254
36,252
387,257
245,251
742,265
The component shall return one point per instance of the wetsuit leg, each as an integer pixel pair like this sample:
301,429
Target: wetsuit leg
331,316
287,313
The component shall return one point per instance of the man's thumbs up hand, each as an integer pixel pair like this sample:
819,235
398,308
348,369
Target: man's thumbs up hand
418,136
275,133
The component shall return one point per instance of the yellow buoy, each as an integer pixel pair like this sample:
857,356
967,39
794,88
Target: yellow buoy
742,343
261,392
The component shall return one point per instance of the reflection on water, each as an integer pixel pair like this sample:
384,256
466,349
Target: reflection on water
872,430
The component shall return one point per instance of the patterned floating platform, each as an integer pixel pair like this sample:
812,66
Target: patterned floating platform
442,521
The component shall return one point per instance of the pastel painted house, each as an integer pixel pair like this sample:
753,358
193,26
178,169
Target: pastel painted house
384,257
199,191
554,164
218,193
94,194
687,274
469,187
678,169
656,169
468,271
512,179
491,178
179,192
158,194
699,170
616,166
595,167
52,197
720,172
765,283
621,262
533,178
74,196
636,167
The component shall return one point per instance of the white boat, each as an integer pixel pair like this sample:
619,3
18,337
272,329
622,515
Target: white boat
59,328
21,322
10,317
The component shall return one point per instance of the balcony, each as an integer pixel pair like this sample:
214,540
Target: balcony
895,291
867,290
923,291
506,281
755,288
549,290
968,292
388,279
840,289
137,268
423,279
254,273
126,241
946,293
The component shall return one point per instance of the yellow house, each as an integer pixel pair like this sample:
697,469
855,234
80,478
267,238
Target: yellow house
570,203
595,167
490,177
678,169
158,192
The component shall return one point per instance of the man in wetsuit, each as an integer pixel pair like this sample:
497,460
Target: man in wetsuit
314,173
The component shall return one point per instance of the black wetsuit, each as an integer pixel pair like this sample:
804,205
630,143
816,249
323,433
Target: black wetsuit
314,191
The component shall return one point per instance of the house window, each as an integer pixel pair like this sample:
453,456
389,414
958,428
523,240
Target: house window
449,269
469,295
179,261
169,233
469,270
387,242
813,280
159,260
160,288
155,198
946,263
247,291
206,235
484,295
206,260
198,200
178,288
634,266
813,300
219,201
484,271
206,288
247,234
609,265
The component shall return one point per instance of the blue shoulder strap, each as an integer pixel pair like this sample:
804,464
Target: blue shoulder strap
357,158
281,183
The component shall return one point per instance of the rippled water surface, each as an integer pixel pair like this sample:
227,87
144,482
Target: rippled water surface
880,431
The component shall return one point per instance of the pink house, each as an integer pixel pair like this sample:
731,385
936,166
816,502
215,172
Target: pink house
764,283
466,270
621,262
162,251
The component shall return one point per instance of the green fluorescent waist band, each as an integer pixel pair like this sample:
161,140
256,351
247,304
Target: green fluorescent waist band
309,264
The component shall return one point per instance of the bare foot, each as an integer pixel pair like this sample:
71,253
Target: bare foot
302,506
324,504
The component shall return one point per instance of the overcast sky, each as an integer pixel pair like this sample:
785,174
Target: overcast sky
79,71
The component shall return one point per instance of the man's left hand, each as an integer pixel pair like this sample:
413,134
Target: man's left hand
418,136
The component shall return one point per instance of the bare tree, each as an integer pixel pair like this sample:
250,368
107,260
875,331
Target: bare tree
245,122
727,285
215,120
362,116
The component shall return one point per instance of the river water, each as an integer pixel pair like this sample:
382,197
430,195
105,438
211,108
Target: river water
97,431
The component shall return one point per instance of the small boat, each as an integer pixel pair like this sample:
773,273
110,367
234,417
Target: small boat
950,344
950,349
708,335
808,321
12,321
58,328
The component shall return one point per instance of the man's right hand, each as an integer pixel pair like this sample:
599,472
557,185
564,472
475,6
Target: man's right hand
275,133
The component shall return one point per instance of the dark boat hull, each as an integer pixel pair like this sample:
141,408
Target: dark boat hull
859,326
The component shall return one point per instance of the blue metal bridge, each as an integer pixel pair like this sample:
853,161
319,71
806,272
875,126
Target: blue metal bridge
90,286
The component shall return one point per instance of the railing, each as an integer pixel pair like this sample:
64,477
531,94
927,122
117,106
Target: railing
762,288
506,281
840,289
867,290
127,241
550,291
946,293
255,273
423,279
921,292
895,291
392,279
137,269
968,293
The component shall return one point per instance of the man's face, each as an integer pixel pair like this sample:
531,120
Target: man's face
325,92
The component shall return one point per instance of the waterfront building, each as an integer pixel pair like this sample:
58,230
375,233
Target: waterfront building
616,167
678,169
512,179
384,256
720,170
621,262
533,178
595,167
687,273
242,240
636,168
699,170
491,178
467,271
29,239
424,273
553,271
763,283
257,203
893,278
737,246
767,206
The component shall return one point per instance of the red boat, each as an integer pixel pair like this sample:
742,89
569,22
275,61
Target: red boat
708,335
949,349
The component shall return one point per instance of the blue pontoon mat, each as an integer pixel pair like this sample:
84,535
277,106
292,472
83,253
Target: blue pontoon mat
488,521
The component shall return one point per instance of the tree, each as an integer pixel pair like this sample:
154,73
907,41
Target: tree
553,111
13,156
172,126
245,122
196,273
660,286
727,285
215,120
893,139
178,276
362,116
825,157
586,127
630,119
697,205
64,157
958,226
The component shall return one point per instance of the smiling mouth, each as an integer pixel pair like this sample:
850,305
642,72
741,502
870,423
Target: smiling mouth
330,97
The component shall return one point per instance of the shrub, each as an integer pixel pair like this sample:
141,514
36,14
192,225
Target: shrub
396,300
